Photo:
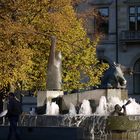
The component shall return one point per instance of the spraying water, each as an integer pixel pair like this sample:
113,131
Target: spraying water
102,108
85,108
72,110
52,108
107,106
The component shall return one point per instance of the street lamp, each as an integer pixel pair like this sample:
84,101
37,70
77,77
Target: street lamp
116,7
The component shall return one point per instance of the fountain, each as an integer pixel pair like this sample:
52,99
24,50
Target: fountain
95,126
84,115
88,111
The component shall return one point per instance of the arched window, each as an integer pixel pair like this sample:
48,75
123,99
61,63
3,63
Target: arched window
137,77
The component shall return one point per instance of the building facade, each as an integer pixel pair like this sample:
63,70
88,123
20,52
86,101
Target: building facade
119,24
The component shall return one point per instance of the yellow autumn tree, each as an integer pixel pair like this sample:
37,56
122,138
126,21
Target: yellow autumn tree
25,31
15,55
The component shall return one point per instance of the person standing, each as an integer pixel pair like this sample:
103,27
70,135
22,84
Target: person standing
14,110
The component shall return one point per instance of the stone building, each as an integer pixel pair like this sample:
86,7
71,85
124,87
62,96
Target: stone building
120,24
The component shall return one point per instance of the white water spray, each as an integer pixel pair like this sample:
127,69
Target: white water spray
72,110
85,108
52,108
102,108
107,106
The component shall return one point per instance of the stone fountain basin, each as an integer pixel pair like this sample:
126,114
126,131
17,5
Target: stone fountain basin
111,122
123,127
104,127
123,123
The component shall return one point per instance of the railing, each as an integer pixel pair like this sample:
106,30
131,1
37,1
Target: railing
132,1
130,36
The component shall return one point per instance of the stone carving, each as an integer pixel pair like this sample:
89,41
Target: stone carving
113,77
120,110
54,78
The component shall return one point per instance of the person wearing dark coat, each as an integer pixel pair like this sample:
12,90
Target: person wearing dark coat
14,111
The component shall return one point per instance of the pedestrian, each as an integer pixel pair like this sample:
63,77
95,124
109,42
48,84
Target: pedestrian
14,111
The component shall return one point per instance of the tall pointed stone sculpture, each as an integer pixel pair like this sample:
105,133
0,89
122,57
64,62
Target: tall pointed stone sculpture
54,79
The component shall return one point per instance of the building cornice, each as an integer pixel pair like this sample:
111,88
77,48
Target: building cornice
99,2
132,1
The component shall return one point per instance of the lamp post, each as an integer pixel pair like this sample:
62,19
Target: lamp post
116,8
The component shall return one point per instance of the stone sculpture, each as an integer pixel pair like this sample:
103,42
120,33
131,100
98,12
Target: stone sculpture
54,78
113,77
120,110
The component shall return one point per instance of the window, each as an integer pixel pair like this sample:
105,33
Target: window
137,77
102,20
134,18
